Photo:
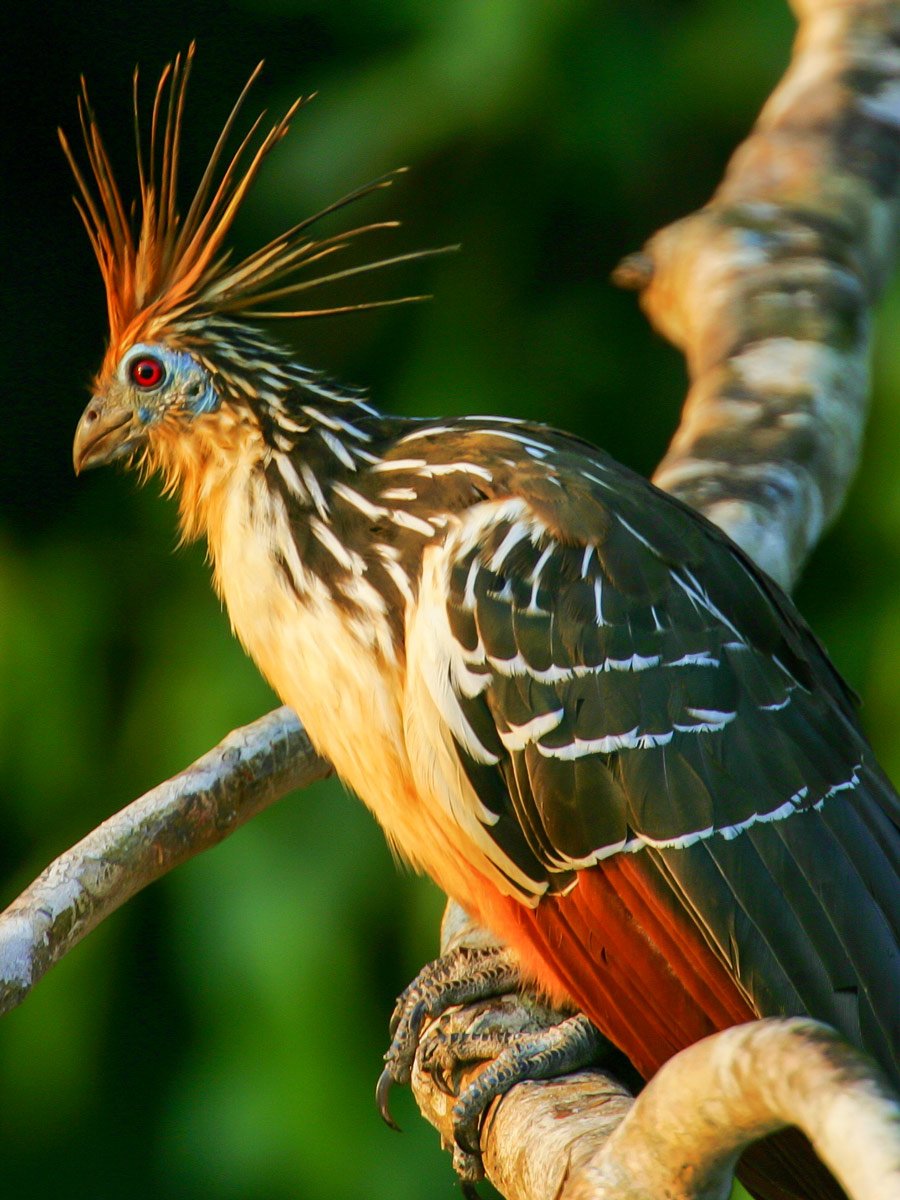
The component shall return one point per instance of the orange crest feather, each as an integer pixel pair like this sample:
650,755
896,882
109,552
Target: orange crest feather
165,267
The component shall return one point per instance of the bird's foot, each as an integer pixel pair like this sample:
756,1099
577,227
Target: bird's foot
462,976
542,1050
519,1039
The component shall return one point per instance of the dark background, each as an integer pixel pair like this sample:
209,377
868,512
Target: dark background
221,1036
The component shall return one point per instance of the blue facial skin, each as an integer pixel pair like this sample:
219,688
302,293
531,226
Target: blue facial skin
185,386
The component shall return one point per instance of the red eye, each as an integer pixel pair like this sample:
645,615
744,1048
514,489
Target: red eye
147,372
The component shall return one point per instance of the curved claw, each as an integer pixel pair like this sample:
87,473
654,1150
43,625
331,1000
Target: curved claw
460,977
382,1099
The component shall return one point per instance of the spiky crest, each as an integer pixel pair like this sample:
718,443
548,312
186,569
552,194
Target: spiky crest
165,267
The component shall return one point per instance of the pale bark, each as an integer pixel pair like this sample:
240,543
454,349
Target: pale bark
585,1138
769,292
248,771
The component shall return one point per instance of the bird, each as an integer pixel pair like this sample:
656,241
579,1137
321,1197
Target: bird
565,696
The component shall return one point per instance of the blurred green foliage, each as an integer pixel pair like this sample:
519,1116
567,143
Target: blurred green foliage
220,1037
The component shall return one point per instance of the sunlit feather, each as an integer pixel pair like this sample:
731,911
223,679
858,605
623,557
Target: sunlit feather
159,268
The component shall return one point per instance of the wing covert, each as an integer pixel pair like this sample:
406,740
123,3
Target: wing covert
618,685
630,681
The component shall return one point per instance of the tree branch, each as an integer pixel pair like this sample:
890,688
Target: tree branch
768,290
585,1138
195,810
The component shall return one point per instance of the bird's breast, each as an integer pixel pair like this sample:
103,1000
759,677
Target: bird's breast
326,667
337,673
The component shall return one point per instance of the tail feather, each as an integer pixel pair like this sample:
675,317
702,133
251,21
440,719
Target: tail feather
711,987
664,946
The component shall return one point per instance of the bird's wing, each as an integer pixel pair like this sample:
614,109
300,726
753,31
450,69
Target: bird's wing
626,691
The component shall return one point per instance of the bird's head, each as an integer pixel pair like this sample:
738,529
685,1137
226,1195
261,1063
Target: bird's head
152,389
185,355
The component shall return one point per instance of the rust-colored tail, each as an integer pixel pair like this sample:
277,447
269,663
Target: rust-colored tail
615,946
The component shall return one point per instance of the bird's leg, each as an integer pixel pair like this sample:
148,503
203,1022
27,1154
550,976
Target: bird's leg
551,1044
519,1039
462,976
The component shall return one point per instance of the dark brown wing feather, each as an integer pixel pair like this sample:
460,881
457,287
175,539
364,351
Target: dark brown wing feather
673,741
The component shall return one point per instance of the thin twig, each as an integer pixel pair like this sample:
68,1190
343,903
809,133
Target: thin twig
252,768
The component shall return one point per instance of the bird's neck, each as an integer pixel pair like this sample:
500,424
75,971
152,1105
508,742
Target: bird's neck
300,432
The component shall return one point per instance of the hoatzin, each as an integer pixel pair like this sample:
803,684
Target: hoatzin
568,698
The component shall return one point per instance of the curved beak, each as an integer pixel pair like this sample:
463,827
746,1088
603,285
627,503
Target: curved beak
104,435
